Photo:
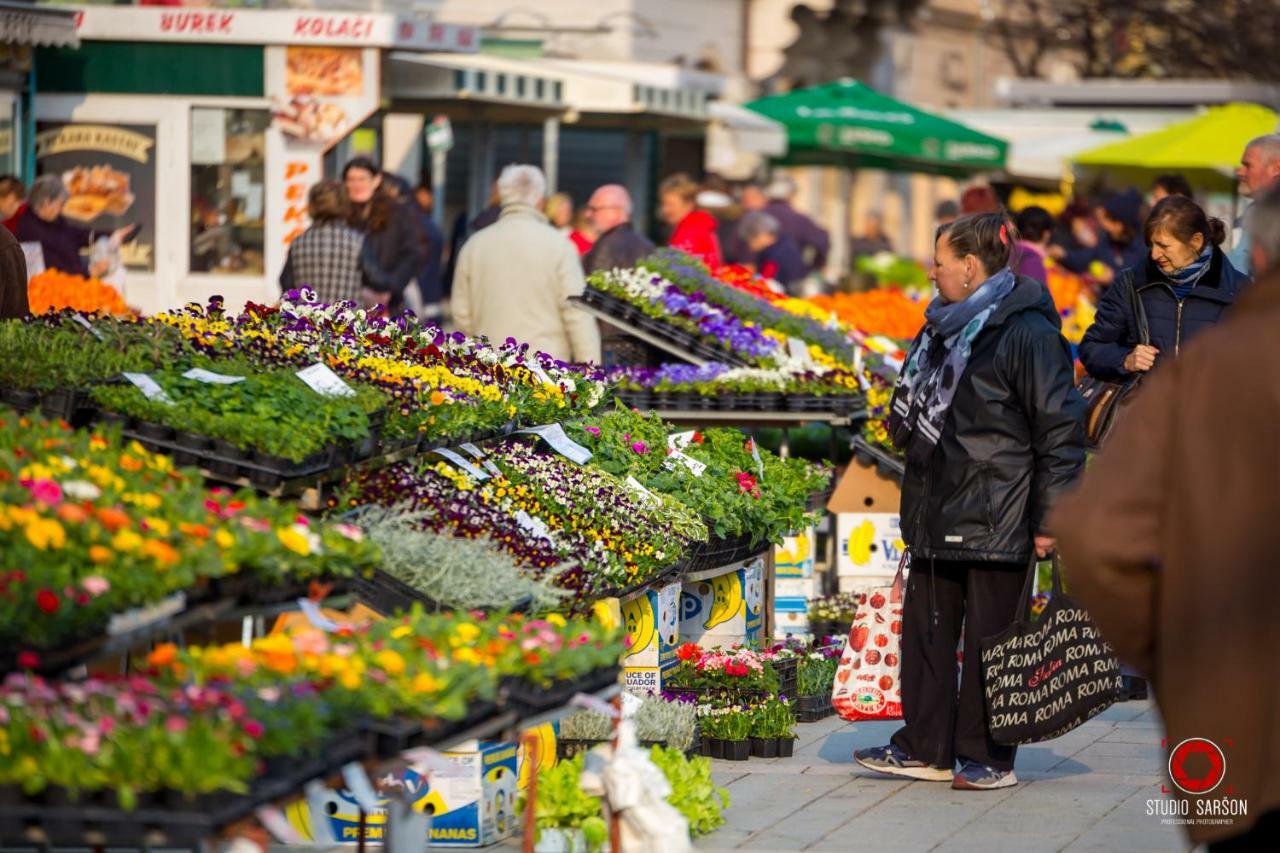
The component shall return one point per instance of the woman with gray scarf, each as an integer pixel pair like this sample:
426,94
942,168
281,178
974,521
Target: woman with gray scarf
987,412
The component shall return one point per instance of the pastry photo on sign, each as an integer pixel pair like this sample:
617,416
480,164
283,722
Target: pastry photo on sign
310,120
96,190
325,71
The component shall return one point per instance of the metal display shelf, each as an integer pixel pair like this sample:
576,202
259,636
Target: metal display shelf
648,337
759,419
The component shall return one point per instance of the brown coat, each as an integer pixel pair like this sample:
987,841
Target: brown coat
13,278
1173,543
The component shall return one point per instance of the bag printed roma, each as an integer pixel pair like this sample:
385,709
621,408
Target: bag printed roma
868,683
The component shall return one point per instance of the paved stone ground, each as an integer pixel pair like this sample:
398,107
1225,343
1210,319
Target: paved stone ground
1086,791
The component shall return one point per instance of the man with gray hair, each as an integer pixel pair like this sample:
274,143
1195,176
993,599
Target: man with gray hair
1263,221
811,241
619,244
1259,168
776,255
514,279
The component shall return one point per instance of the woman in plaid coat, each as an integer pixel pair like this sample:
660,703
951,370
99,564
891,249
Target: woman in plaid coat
326,257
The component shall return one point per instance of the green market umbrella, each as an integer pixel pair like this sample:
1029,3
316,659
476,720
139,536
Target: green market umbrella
1206,147
848,124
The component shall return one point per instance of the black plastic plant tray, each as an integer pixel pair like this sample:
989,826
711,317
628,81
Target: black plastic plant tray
889,465
528,700
788,671
388,594
162,819
76,653
388,737
811,709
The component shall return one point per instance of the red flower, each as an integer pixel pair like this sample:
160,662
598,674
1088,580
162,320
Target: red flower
697,438
28,660
689,651
746,482
253,729
736,669
47,601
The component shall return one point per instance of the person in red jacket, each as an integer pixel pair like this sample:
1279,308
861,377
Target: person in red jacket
695,230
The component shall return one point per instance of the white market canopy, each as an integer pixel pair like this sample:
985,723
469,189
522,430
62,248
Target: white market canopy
1042,142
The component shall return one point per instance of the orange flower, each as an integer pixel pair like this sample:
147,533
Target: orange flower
437,398
100,554
53,290
130,463
113,519
163,553
163,655
72,513
199,531
884,311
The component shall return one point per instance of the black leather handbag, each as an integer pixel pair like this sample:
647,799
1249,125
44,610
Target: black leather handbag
1106,399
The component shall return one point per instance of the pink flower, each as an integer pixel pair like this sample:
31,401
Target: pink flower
95,585
91,742
350,531
107,725
175,725
253,729
593,430
639,447
46,492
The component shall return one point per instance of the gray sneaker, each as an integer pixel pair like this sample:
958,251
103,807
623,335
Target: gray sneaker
894,762
977,777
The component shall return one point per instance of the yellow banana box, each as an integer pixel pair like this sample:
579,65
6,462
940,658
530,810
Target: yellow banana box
471,797
726,609
795,557
652,621
869,545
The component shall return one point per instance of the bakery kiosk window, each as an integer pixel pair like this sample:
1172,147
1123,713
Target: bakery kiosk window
228,157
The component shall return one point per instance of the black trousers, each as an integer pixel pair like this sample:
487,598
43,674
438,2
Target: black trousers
943,725
1262,836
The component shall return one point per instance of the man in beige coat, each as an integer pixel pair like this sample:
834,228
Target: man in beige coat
1172,541
514,279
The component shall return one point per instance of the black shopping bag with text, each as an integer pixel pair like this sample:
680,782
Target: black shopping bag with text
1044,678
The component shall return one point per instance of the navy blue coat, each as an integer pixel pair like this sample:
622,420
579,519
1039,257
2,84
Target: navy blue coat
1114,332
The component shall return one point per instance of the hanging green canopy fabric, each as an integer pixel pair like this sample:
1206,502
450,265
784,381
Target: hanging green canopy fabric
848,124
1212,141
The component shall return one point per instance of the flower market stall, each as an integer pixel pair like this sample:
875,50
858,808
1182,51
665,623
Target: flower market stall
461,537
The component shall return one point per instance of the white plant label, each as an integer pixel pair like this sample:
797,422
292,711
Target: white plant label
647,498
689,462
460,462
535,527
324,381
199,374
89,327
554,435
483,458
680,440
799,350
149,388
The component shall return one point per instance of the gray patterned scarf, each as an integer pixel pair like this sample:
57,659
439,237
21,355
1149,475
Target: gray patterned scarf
937,361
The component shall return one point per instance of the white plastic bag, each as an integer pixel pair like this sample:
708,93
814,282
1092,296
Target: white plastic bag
637,791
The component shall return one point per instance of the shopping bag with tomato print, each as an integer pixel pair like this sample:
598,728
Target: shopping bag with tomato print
868,681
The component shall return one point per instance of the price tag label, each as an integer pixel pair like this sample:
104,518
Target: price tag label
483,458
535,527
360,788
554,435
538,373
460,462
324,381
208,376
89,327
647,498
149,388
688,461
680,440
755,454
857,369
799,350
316,617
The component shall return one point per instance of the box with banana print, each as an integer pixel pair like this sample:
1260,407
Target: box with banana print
868,530
652,621
724,610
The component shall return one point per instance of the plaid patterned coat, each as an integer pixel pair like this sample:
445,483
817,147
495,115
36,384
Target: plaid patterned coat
325,258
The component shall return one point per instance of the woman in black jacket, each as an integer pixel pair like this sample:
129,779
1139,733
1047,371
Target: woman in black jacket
987,411
1185,284
394,246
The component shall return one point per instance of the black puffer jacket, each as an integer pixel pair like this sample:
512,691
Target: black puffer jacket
1114,332
1013,440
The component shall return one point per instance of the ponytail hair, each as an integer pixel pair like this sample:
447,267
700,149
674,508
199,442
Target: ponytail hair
989,237
1184,219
